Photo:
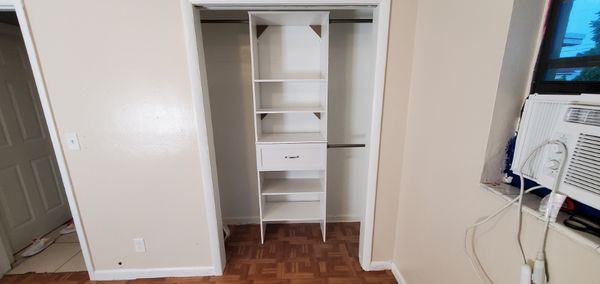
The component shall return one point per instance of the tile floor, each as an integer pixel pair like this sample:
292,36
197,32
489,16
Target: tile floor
64,255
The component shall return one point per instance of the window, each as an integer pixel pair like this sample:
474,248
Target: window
569,60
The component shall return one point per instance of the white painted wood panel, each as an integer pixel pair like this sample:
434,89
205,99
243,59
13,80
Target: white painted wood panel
290,110
292,211
283,123
47,183
291,186
290,94
302,137
295,18
286,157
291,80
284,46
289,52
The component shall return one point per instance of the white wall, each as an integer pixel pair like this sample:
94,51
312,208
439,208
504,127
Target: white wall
458,74
513,85
350,97
135,177
117,74
403,16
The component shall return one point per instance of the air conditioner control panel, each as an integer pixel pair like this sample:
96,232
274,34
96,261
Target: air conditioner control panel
553,156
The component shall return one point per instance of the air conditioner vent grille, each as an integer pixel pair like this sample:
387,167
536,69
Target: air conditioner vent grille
537,128
583,116
584,169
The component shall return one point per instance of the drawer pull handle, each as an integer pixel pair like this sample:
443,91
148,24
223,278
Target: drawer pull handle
292,157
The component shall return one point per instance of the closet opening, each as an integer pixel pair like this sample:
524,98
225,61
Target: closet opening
293,111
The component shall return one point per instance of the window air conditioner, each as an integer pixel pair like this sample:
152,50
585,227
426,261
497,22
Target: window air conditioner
574,120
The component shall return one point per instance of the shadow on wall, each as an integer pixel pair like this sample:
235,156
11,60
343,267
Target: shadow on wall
225,47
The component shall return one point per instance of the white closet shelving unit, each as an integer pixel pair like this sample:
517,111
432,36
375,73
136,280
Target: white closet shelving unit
289,72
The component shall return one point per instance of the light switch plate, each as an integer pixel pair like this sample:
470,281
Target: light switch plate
72,141
139,245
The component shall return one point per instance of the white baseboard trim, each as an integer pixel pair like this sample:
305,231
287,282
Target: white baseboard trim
399,278
127,273
380,265
388,265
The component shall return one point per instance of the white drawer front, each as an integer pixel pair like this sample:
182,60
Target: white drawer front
279,157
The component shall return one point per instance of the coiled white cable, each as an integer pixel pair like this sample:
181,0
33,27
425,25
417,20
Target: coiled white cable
483,276
475,262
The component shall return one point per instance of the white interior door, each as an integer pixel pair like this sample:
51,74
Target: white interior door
32,197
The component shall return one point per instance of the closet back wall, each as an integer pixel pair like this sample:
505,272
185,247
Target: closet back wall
227,50
227,53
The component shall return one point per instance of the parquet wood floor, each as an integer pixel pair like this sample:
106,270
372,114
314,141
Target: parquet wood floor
292,253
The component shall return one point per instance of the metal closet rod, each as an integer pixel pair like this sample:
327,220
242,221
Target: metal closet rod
331,21
346,145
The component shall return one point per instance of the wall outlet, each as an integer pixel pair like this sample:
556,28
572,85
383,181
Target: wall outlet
139,245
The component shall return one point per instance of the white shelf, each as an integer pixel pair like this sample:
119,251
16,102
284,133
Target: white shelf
298,80
300,137
289,109
290,186
292,211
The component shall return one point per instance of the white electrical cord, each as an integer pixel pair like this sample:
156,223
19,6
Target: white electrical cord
521,193
483,276
540,274
474,259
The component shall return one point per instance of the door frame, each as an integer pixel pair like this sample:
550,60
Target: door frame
197,70
19,7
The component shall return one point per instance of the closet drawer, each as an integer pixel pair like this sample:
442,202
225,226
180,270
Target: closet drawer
282,157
